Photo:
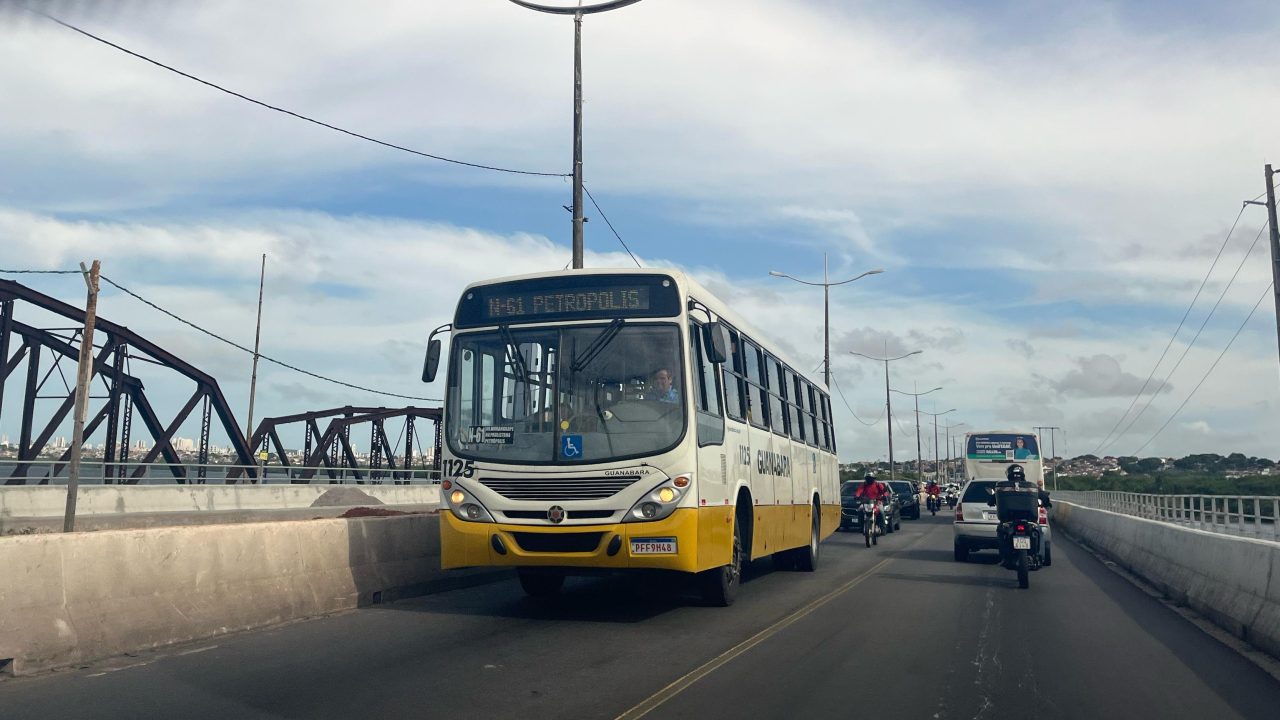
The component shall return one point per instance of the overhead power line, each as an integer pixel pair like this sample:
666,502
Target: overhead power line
1209,371
291,113
238,346
215,336
606,222
850,408
335,128
1176,330
1194,338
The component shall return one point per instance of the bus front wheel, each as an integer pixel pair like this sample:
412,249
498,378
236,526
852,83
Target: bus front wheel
719,586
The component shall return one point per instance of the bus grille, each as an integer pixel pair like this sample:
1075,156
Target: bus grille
569,514
556,489
558,542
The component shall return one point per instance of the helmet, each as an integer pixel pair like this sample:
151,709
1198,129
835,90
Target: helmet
869,477
1015,473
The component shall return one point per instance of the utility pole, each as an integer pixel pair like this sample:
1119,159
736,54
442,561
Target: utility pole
84,374
1269,177
1275,245
1053,451
257,337
919,460
577,12
936,466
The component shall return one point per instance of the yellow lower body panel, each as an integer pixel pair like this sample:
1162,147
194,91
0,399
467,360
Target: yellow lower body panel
703,540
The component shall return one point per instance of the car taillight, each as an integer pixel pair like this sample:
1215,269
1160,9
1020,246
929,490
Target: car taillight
959,512
1044,517
1020,527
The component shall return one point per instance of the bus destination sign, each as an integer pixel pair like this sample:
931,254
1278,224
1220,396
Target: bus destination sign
583,300
564,297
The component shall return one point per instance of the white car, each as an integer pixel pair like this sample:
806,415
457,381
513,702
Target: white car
975,521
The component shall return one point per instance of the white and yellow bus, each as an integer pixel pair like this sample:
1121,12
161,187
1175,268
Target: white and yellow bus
614,420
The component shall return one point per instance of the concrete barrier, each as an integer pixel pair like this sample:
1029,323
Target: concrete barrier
50,501
1233,581
72,598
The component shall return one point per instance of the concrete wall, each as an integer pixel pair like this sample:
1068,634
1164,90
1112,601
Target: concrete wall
72,598
1233,581
50,501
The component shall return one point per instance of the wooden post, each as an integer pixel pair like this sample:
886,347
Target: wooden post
83,378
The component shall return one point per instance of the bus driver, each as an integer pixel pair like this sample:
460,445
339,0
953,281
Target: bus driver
663,391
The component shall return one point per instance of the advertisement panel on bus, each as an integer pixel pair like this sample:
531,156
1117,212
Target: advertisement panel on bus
988,454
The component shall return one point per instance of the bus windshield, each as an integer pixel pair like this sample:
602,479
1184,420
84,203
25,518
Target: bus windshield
587,393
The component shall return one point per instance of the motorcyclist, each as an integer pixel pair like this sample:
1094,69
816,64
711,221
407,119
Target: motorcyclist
877,492
871,489
1016,477
934,491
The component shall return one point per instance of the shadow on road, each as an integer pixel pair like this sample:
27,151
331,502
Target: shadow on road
620,598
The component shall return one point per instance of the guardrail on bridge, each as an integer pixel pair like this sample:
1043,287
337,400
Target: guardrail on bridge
1247,516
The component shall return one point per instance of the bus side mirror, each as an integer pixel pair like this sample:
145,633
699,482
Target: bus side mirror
432,363
715,338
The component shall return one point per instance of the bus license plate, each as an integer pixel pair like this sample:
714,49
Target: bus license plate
1022,543
653,546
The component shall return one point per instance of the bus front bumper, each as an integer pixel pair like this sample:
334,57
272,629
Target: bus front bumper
690,540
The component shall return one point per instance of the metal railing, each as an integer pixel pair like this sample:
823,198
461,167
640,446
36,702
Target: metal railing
50,472
1244,515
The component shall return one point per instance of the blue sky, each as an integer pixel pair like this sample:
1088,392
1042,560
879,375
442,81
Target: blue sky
1044,185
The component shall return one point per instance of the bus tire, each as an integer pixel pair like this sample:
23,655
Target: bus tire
719,586
806,558
540,583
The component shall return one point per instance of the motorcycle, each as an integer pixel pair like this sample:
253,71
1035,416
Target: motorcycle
935,504
872,520
951,500
1018,532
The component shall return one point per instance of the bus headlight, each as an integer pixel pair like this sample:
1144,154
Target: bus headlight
659,502
465,507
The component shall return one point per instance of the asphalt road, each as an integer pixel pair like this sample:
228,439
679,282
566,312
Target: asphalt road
899,630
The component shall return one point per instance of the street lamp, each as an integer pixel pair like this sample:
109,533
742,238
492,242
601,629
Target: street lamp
888,406
936,462
950,464
916,395
826,310
577,11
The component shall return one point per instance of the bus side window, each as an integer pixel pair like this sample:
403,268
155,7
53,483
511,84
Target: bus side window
732,375
831,428
777,415
799,422
812,412
710,421
793,412
757,396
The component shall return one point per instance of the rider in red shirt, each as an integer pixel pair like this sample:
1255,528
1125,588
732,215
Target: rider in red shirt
871,489
933,488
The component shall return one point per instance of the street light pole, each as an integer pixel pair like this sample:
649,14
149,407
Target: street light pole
888,405
577,11
919,454
826,309
937,460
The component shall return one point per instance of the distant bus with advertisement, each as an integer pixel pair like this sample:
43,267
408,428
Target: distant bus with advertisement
989,454
625,420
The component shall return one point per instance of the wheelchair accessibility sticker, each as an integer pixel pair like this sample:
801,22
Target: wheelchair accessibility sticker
570,446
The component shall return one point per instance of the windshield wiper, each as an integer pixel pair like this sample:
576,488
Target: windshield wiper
513,353
605,337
